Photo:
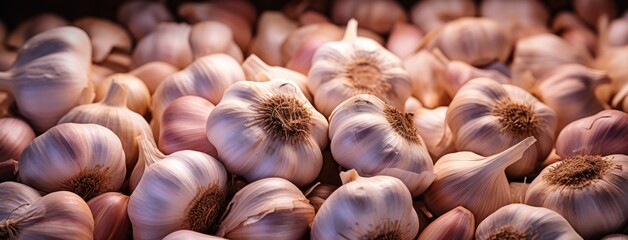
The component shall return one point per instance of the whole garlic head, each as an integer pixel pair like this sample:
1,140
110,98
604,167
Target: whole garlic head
601,134
273,132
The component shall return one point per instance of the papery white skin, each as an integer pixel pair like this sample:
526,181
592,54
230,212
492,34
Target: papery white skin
363,139
455,224
272,30
426,71
379,15
148,154
521,18
362,207
33,26
255,69
404,39
165,44
189,234
432,14
141,17
250,151
468,179
603,134
270,208
111,220
159,203
106,36
476,128
330,78
153,73
183,126
431,125
15,135
593,210
68,149
211,37
138,96
535,222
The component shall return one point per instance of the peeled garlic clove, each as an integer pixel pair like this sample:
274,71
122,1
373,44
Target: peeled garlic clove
486,117
105,36
521,18
187,234
282,134
256,69
594,185
32,27
404,39
432,14
520,221
272,208
183,126
591,10
601,134
142,17
86,159
457,73
186,190
211,37
461,176
138,96
430,123
353,66
165,44
15,135
362,209
375,138
455,224
111,220
300,45
426,70
153,73
272,29
148,154
377,15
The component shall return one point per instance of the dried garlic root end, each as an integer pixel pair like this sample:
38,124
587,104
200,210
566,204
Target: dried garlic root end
579,171
507,232
89,182
385,231
402,123
204,213
517,118
365,76
284,117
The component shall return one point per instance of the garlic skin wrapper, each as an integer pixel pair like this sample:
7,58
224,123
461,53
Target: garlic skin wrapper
590,191
426,70
187,234
137,97
274,132
255,69
32,27
142,17
356,65
183,126
111,220
455,224
186,190
319,194
432,14
601,134
113,114
86,159
148,154
153,73
270,208
15,135
54,64
522,18
377,15
272,29
520,221
486,117
374,138
165,44
431,126
106,37
361,209
477,183
58,215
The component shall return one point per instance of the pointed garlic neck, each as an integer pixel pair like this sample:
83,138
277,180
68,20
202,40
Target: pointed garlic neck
148,151
351,33
500,161
117,94
349,176
257,68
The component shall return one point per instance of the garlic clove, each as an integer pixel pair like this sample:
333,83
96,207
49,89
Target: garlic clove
138,96
32,27
272,29
153,73
426,71
142,17
148,154
404,39
111,220
319,193
183,126
430,123
377,15
601,134
165,44
300,45
187,234
256,69
15,135
432,14
105,36
455,224
211,37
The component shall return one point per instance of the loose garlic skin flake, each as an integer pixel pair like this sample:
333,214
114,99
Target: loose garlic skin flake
277,132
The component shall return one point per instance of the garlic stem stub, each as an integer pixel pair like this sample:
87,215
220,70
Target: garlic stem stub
148,154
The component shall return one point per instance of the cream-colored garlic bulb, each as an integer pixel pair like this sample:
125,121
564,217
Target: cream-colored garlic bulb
15,135
142,17
153,73
426,70
270,208
477,41
486,117
113,114
255,69
300,45
520,221
570,91
377,15
211,37
404,39
165,44
477,183
50,76
378,207
188,234
356,65
590,191
111,221
272,29
601,134
457,73
522,18
137,96
375,138
33,27
268,129
592,10
431,126
432,14
106,37
183,126
58,215
186,190
148,154
620,100
573,30
455,224
86,159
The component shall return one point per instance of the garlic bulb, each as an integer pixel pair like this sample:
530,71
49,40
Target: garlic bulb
570,91
187,234
457,73
54,64
455,224
272,29
432,14
58,215
477,41
86,159
142,17
573,30
113,114
137,96
430,124
153,73
185,190
361,209
592,10
270,208
486,117
300,45
601,134
404,39
183,126
377,15
466,179
211,37
521,18
520,221
148,154
426,70
15,135
106,37
353,66
280,133
590,191
375,138
256,69
165,44
111,220
32,27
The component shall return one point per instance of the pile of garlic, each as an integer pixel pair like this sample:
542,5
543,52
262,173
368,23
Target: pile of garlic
340,119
